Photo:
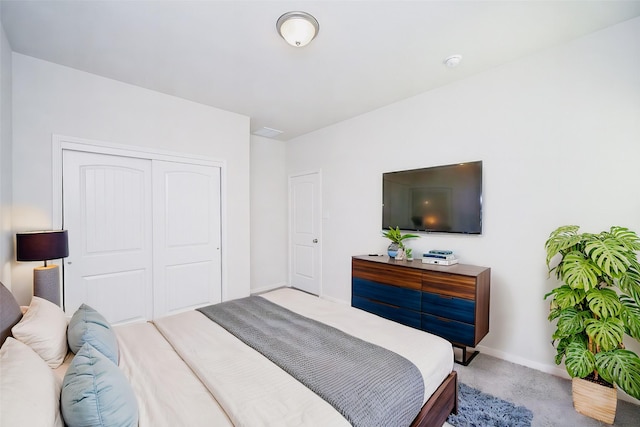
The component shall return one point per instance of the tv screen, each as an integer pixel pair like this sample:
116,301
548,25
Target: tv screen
445,199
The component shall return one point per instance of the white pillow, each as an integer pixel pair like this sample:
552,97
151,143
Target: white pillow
44,328
29,391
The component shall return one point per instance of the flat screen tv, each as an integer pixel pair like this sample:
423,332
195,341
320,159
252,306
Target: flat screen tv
445,199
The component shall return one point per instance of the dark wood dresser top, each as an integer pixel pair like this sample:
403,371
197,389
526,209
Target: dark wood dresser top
461,269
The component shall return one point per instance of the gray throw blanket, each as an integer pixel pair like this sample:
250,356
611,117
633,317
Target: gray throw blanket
369,385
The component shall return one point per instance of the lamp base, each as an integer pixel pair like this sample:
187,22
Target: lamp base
46,283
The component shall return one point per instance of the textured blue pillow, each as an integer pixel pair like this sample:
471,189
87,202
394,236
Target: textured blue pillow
95,393
89,326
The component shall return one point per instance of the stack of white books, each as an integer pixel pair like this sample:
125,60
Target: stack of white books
440,257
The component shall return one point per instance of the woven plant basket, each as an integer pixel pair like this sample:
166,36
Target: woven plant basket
594,400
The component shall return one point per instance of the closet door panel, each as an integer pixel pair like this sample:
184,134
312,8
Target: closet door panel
107,210
186,285
187,257
128,288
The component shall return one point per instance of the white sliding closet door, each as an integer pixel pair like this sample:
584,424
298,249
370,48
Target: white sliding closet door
144,235
186,236
107,210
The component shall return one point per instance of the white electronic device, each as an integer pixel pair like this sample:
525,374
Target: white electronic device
439,261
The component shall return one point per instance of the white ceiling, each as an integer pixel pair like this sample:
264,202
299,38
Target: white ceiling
227,54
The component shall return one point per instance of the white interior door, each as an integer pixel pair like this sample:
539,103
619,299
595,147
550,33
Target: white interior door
305,221
107,210
187,257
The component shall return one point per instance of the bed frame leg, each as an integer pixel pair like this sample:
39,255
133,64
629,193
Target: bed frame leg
465,360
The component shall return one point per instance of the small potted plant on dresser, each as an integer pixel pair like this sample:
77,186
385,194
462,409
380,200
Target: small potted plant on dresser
397,240
597,304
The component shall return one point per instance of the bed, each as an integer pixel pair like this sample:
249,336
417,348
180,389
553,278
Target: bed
187,370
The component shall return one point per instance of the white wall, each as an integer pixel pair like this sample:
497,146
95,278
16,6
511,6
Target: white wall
269,226
51,99
559,134
6,234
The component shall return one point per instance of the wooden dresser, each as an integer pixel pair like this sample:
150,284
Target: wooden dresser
448,301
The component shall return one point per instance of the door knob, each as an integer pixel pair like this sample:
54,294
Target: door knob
315,240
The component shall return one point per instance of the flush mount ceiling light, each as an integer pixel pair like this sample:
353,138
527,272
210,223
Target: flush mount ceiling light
297,28
452,61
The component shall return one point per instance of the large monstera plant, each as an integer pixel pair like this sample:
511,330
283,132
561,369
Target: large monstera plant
597,304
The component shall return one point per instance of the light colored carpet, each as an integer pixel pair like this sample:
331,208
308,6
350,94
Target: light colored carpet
547,396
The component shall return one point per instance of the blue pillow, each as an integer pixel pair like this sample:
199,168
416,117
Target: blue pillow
89,326
95,393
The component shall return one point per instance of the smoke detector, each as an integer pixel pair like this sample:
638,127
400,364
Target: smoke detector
452,61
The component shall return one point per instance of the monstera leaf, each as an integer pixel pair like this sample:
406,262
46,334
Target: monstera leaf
630,282
620,367
606,333
564,343
579,272
565,297
626,237
571,321
579,361
604,302
610,255
562,239
630,315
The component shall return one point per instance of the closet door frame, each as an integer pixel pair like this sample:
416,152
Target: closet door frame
62,142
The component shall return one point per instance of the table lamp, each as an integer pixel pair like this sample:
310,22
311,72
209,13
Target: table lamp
44,246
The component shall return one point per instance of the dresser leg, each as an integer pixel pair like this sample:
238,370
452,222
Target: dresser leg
465,360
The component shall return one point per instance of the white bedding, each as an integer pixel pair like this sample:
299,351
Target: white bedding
168,392
224,382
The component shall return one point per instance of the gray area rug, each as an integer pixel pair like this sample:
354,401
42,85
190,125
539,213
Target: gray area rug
478,409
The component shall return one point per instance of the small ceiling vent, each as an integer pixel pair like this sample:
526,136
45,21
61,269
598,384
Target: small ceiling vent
268,132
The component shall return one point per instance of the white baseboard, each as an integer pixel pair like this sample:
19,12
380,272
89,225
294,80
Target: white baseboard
268,288
548,369
337,301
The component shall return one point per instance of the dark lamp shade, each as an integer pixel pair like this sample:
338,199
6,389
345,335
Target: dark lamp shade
42,245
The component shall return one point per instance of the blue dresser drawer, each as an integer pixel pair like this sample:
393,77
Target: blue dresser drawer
397,314
392,295
449,307
451,330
